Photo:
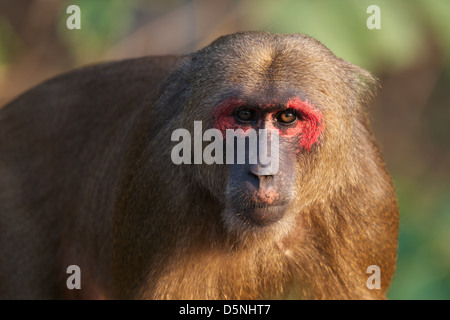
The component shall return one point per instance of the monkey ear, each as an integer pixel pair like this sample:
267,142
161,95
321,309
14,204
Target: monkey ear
363,84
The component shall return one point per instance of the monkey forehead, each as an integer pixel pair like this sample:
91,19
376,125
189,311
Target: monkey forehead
264,55
254,42
268,72
266,65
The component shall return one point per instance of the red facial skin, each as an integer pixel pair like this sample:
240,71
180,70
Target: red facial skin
308,126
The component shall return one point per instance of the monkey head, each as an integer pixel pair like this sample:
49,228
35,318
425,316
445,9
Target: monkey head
289,85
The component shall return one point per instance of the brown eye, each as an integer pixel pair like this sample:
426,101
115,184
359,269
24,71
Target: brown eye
244,115
287,116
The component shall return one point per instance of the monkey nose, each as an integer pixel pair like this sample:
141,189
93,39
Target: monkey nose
260,171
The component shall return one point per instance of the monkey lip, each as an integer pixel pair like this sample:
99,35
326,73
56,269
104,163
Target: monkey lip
260,204
261,212
266,196
261,195
262,215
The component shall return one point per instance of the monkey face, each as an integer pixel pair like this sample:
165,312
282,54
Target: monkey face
259,193
277,84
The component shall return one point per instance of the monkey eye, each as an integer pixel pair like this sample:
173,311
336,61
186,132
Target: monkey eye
287,116
244,115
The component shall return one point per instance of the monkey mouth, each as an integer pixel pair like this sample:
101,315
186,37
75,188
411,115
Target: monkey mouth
259,206
262,214
264,197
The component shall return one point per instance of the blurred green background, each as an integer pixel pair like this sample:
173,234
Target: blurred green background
410,55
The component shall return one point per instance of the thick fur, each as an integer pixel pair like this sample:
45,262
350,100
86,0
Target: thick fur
86,178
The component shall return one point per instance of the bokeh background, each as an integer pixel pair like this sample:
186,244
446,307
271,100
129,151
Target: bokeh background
410,55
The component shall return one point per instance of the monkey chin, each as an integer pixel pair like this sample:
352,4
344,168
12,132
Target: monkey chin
265,223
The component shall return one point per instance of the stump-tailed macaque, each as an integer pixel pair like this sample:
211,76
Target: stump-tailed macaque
88,179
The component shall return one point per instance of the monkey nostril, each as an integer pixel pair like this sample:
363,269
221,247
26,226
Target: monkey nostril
260,172
265,179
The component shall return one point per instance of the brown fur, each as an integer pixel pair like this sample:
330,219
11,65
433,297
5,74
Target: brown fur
86,179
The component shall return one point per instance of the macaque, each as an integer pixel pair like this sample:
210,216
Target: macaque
87,178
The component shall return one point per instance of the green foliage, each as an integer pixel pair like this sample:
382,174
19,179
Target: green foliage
423,269
8,42
102,24
341,26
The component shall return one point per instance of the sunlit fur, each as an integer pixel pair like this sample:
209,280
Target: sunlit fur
86,179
